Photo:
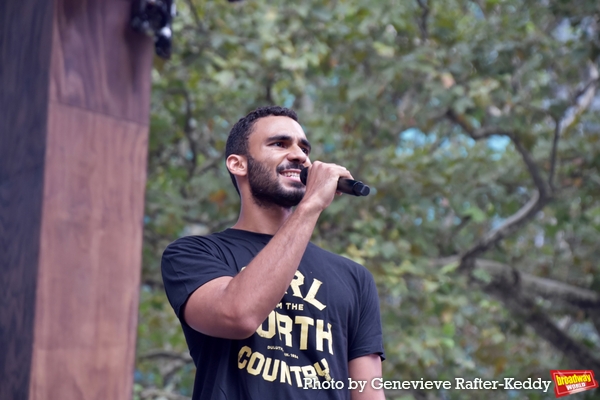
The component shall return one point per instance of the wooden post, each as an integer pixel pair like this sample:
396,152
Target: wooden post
74,101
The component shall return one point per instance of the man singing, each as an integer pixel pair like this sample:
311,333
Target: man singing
267,314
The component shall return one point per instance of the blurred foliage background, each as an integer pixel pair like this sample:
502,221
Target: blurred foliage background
476,122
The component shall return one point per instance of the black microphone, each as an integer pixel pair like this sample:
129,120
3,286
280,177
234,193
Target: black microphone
344,185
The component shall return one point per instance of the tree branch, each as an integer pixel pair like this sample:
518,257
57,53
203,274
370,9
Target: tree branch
538,200
551,289
553,156
153,393
509,226
188,130
581,101
543,287
438,142
476,134
524,307
544,191
152,283
169,354
583,98
170,363
595,317
534,171
210,164
194,13
423,20
516,289
486,132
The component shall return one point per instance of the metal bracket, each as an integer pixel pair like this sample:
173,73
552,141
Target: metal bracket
153,18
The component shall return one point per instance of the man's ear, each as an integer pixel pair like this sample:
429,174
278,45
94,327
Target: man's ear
237,165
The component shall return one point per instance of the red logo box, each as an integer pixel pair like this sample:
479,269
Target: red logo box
567,381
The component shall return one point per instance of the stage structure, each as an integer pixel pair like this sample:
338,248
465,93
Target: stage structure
74,100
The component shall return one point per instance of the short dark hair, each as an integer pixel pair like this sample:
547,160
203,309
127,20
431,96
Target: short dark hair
237,142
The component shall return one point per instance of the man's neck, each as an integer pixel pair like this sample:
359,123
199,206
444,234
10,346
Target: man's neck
261,219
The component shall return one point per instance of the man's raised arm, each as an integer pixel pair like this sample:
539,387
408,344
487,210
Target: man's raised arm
234,307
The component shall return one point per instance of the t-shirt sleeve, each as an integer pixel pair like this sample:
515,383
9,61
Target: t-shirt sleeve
367,338
187,264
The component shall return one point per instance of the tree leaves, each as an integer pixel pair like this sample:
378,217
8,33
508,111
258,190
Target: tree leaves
447,111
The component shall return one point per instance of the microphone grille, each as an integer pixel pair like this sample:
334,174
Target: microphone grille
303,175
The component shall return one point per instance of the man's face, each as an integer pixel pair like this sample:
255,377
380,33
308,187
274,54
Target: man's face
277,149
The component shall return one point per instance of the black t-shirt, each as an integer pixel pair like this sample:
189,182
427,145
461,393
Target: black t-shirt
328,316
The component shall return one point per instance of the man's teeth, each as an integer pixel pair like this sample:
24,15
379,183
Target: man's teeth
292,174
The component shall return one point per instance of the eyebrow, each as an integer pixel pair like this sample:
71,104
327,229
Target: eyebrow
288,138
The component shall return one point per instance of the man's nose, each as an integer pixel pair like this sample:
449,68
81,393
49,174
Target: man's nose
297,154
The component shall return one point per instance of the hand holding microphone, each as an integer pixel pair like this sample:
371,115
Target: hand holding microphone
348,186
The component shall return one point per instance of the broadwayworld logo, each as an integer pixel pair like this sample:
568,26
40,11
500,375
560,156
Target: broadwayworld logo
567,382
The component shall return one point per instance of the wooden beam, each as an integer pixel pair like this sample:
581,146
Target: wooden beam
25,42
75,226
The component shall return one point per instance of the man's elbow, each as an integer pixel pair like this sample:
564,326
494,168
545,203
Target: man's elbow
242,327
227,326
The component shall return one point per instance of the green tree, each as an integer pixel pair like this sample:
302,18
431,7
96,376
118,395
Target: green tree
476,122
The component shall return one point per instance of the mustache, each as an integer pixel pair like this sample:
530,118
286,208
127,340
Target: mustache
289,166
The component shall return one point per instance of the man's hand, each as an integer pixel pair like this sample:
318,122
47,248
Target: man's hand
321,185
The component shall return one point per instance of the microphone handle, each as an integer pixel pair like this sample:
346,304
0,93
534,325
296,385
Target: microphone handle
345,185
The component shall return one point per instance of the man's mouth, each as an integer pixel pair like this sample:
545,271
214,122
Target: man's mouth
291,174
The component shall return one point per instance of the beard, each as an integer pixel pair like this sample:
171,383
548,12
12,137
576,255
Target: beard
267,191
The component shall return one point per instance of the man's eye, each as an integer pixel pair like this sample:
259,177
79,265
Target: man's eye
278,144
305,151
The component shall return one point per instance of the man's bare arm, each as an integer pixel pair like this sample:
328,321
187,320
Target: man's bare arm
234,307
365,369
